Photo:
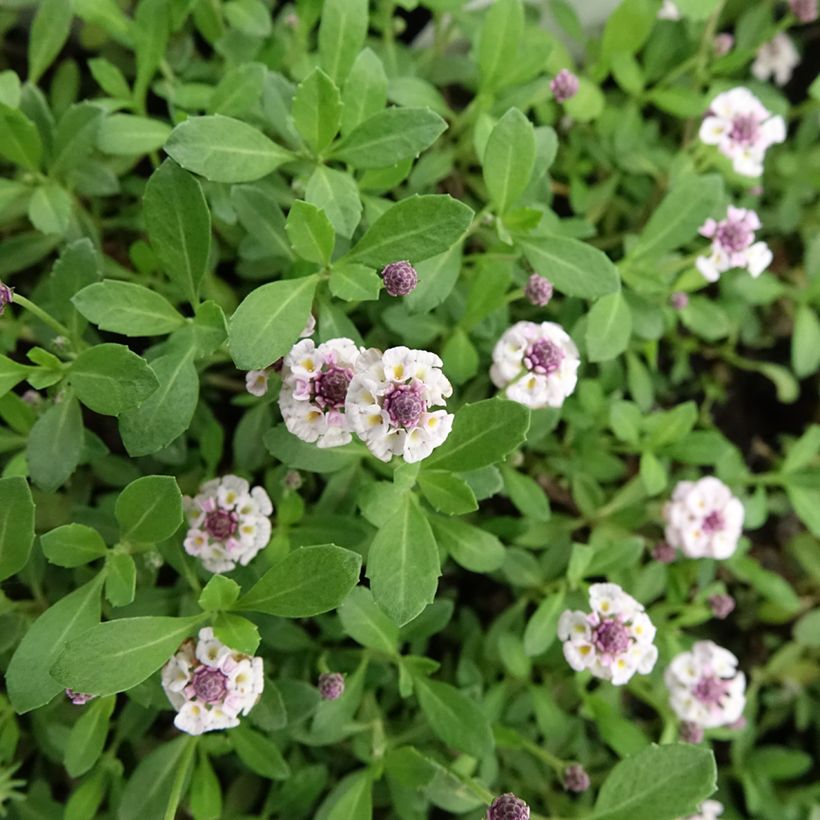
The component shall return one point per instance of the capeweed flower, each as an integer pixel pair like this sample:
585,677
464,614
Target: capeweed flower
778,58
614,640
314,388
703,519
742,129
508,807
705,686
564,85
707,810
390,399
733,245
536,364
210,685
228,523
400,278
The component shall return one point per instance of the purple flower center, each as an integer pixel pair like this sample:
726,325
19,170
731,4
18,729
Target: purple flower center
733,236
713,522
543,357
210,685
330,387
745,128
610,637
405,404
710,690
221,524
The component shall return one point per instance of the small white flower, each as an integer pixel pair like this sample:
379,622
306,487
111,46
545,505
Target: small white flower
536,364
742,129
256,382
707,810
614,641
228,523
733,245
778,58
705,686
315,381
669,11
390,400
210,685
703,519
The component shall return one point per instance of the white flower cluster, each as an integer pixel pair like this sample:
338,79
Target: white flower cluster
707,810
778,58
228,523
705,686
614,641
535,364
210,685
742,129
703,519
733,245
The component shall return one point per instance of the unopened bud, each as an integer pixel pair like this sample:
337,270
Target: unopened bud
400,278
722,606
538,290
690,732
564,85
508,807
663,552
576,778
331,685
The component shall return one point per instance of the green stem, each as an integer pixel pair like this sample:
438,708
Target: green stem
44,317
542,754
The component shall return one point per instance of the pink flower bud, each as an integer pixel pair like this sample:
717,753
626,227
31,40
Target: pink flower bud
663,553
508,807
331,685
576,778
722,606
564,85
6,296
804,10
690,732
400,278
538,290
679,300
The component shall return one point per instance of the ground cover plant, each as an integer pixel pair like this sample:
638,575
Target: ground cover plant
408,409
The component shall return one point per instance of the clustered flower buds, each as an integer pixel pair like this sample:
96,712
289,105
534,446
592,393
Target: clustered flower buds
576,778
400,278
733,245
6,296
705,686
722,606
742,129
508,807
78,698
804,10
211,685
703,519
778,58
536,364
390,400
314,388
723,44
564,85
331,685
614,641
708,810
538,290
228,523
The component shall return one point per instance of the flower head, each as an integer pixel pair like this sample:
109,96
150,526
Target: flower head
400,278
707,810
536,364
211,685
576,778
390,400
315,381
331,685
78,698
733,245
6,296
679,300
722,606
614,640
804,10
778,58
508,807
705,686
538,290
723,43
703,519
564,85
228,523
742,129
256,382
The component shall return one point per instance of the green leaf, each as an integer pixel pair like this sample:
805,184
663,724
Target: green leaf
779,762
251,17
342,34
403,563
49,32
805,342
75,137
300,455
337,194
49,209
149,510
474,549
72,545
109,78
219,593
179,226
354,283
365,90
628,27
239,90
152,18
268,321
120,579
307,582
483,433
317,110
623,736
20,141
499,41
117,655
658,783
540,632
223,149
16,525
87,737
367,623
259,753
446,492
237,632
351,799
167,412
310,232
11,374
416,228
127,308
609,327
653,473
28,681
455,718
676,220
769,584
509,159
389,137
459,355
262,218
205,794
109,378
55,444
526,494
574,268
127,135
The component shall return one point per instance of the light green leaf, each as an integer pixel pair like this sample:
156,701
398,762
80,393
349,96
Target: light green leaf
120,579
49,209
299,455
341,35
49,32
19,139
472,548
310,232
219,593
354,283
628,27
500,39
128,135
526,494
446,492
805,342
509,159
16,525
540,632
262,218
609,327
337,194
149,510
259,753
55,444
239,90
317,110
365,90
367,623
350,799
237,632
87,737
109,78
72,545
251,17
